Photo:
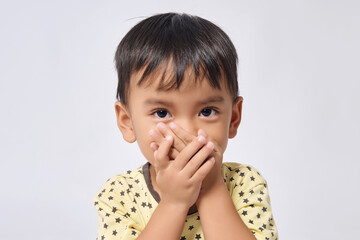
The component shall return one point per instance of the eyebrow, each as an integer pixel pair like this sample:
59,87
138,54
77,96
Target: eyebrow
217,99
157,102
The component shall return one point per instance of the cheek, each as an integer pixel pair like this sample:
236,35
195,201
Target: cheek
144,145
141,129
222,141
143,138
218,134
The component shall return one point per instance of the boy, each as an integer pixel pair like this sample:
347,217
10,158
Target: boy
178,98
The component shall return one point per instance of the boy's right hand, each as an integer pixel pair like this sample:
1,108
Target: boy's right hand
179,180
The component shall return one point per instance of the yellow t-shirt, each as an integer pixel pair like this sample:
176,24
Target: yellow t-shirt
126,202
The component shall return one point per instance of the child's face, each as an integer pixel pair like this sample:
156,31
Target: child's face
195,105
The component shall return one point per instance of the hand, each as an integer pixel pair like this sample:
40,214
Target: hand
181,139
179,181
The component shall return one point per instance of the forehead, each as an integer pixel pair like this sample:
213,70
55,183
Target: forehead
193,91
164,79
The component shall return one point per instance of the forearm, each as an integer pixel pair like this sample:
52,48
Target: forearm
218,216
167,222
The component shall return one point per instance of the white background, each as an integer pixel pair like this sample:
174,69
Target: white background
299,73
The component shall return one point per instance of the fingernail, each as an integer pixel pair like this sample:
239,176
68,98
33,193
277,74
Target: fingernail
172,125
153,134
154,146
202,132
169,138
201,139
161,125
210,145
212,159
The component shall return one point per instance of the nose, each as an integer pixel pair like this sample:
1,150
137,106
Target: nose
188,125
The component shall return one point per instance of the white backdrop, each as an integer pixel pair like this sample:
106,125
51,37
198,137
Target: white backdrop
299,74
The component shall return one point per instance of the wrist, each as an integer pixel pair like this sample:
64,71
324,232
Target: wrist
217,189
212,182
166,222
175,208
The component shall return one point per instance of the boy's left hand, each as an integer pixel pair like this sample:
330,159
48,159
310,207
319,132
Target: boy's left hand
181,139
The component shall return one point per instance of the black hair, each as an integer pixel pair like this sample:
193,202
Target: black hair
183,39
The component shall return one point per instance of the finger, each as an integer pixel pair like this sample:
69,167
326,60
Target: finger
154,146
217,147
173,153
156,136
179,144
202,133
161,155
188,152
203,170
198,159
181,133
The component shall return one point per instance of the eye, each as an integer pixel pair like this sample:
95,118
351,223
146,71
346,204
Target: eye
162,113
207,112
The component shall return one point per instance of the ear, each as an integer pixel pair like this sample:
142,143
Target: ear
235,117
124,122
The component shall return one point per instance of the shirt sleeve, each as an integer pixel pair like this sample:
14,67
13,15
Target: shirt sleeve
252,202
116,213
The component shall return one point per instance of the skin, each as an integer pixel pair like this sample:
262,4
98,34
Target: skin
186,157
231,226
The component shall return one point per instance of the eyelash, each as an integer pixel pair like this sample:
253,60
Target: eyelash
158,110
214,109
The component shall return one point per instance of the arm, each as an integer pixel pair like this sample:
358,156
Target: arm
213,192
252,201
221,221
179,182
167,222
115,219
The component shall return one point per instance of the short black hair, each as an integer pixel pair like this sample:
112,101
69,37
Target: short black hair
185,40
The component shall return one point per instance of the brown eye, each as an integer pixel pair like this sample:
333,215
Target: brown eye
207,112
162,113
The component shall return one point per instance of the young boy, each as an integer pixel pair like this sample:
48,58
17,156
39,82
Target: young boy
178,98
